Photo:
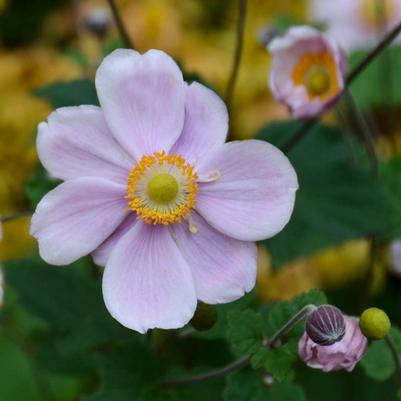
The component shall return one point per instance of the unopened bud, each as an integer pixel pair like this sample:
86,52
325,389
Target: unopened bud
98,21
325,325
205,317
374,323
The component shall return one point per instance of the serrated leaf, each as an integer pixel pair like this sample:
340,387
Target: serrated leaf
244,331
277,362
337,201
72,93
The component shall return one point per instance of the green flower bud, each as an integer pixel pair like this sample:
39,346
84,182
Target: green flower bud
205,317
374,323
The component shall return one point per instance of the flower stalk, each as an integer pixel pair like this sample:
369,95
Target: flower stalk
396,357
238,52
273,342
120,25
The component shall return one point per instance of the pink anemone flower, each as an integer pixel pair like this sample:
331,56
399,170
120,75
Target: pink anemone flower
155,194
308,71
357,24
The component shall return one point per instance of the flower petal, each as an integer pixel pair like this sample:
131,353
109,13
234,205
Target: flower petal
205,126
76,142
76,217
223,268
101,254
147,283
142,97
254,197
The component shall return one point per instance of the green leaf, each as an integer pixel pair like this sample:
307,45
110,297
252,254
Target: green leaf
17,377
129,372
279,313
277,362
38,185
247,385
73,93
378,362
336,202
66,299
244,331
369,89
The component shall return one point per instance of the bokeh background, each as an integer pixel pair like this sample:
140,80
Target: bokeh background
45,43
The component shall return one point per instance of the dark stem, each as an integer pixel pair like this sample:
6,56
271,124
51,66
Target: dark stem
238,52
373,54
273,342
367,280
396,356
14,216
301,133
120,25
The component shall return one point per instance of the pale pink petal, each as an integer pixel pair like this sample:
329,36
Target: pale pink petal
254,197
76,217
205,126
76,142
142,97
147,283
224,269
101,254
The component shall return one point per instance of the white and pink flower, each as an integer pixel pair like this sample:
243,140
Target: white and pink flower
357,24
155,194
308,71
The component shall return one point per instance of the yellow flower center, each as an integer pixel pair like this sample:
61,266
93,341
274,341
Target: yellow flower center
377,13
162,188
317,72
318,82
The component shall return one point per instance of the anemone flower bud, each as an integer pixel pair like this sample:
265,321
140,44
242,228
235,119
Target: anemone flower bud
374,323
343,354
325,325
308,71
98,21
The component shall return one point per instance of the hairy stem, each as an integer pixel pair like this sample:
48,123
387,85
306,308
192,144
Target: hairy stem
303,130
120,25
238,52
273,342
396,356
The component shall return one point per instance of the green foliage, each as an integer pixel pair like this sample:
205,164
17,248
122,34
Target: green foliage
245,385
336,201
378,362
72,93
378,85
244,331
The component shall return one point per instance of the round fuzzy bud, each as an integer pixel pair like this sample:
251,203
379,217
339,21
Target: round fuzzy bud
325,325
374,323
205,317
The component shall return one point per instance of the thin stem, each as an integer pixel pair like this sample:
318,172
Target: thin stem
342,122
273,342
301,133
14,216
238,52
367,280
212,374
373,54
120,25
396,356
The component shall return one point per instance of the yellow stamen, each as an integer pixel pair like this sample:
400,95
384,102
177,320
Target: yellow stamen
176,200
318,73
